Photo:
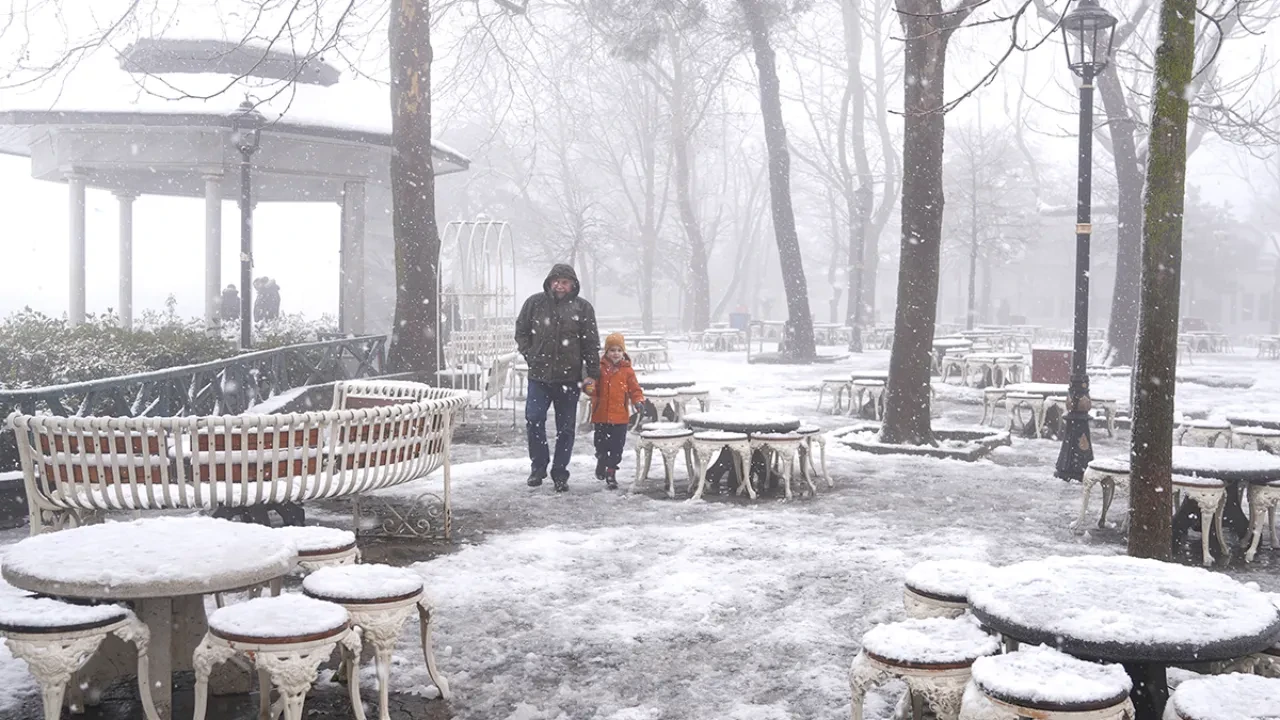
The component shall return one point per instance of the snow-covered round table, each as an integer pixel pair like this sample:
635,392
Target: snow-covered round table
664,381
1144,614
163,567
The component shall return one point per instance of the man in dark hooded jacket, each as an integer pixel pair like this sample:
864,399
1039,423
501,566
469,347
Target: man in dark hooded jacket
557,335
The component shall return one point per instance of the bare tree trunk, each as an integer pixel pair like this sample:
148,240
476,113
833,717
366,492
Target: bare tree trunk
649,242
971,307
984,312
413,193
1123,326
1150,487
860,202
699,280
889,197
1274,327
927,30
800,321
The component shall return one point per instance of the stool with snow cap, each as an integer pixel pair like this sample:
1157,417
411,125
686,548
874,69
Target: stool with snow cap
686,395
1210,496
933,656
1111,473
839,387
708,444
780,448
1255,438
667,441
320,546
813,434
287,637
868,391
1043,683
380,598
1108,408
663,399
940,588
1016,402
1203,433
1267,662
991,399
1264,498
1225,697
55,639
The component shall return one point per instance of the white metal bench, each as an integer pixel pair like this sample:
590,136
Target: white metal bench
378,434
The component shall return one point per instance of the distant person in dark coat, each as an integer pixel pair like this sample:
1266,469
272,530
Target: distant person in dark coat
267,307
229,308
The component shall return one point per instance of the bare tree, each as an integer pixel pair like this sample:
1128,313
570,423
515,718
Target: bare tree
1150,527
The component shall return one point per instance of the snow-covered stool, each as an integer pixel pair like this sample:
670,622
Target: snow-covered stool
1263,500
287,638
868,391
708,444
839,387
954,363
1225,697
1255,438
991,399
780,448
1009,370
1111,473
662,399
1204,433
55,639
1210,496
933,656
1016,402
1046,684
379,599
667,441
1267,662
320,546
940,588
1057,403
686,395
1108,408
813,435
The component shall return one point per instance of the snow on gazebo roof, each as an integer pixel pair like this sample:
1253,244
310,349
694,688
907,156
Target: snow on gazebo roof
309,101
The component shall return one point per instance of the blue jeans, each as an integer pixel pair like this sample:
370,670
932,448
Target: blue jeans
541,396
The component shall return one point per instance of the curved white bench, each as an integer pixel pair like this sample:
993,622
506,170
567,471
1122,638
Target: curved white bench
378,434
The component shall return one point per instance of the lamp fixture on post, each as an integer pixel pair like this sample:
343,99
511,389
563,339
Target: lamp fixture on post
246,133
1087,32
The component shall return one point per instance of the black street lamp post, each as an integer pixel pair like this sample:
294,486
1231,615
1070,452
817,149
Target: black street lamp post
1087,31
246,133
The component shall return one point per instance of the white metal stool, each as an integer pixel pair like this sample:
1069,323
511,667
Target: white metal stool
55,639
706,445
840,387
320,546
991,399
668,442
1211,497
1108,408
1111,473
813,435
686,395
662,399
1043,683
1016,402
380,598
1204,432
933,656
940,588
1267,662
1263,500
287,638
1255,438
781,447
1225,697
868,391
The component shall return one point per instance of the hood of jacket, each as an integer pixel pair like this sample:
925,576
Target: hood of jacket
562,270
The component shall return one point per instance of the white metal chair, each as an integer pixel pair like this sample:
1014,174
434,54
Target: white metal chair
668,442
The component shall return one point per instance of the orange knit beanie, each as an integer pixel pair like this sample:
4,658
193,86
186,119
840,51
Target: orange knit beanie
615,339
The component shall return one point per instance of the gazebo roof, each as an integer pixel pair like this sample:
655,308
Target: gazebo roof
301,105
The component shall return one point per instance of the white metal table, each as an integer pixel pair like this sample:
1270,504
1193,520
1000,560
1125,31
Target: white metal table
163,567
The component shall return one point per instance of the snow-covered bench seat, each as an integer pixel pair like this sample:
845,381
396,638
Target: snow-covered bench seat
376,435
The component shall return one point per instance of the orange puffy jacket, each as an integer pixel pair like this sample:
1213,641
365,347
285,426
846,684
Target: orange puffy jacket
616,384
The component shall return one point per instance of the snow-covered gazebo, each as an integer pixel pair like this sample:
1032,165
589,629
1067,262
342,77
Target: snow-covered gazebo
161,122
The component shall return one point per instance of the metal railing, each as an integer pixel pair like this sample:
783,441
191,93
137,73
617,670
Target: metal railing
222,387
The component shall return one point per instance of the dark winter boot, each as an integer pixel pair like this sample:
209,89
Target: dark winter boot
600,469
560,481
611,478
535,478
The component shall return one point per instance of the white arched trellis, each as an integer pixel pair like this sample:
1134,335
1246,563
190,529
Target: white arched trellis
478,304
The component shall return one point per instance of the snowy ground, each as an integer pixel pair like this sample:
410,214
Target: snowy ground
610,606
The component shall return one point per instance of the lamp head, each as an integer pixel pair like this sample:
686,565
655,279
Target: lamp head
1087,32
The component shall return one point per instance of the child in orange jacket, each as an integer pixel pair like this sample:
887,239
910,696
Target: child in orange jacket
609,398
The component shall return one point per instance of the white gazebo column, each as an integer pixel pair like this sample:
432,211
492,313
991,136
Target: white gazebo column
126,259
351,287
75,309
213,252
